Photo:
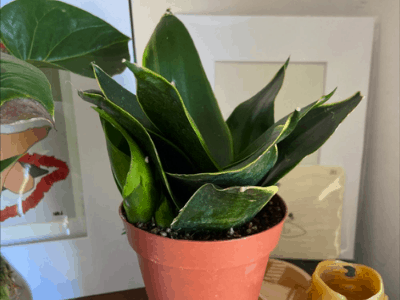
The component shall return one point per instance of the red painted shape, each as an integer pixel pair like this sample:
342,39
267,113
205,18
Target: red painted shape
42,187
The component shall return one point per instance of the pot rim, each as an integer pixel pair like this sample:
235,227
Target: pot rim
253,236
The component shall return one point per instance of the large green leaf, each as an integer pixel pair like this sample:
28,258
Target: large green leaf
131,170
263,138
211,208
54,34
253,117
271,136
121,97
163,105
25,94
185,185
310,134
165,213
245,173
171,53
141,136
171,157
237,175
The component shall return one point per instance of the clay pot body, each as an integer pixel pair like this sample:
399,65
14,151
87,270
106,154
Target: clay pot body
181,269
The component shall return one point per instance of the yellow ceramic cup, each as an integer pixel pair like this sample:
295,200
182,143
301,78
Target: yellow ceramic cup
334,279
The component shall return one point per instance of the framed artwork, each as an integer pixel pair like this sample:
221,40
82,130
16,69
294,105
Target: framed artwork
50,206
42,197
240,55
58,267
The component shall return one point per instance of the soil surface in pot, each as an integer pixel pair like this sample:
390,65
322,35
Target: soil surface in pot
268,217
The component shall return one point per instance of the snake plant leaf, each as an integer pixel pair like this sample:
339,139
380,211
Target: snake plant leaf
302,112
171,53
171,157
117,183
25,96
165,213
163,105
260,141
54,34
136,130
212,208
310,134
253,117
247,172
237,175
132,170
271,136
121,97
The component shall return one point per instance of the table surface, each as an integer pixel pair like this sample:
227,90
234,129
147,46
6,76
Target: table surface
140,294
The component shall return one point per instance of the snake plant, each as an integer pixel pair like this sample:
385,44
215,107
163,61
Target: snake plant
174,158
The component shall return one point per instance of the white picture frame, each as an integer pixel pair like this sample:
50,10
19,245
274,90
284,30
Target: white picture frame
344,44
58,212
61,268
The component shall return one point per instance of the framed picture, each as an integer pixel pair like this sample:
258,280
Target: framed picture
59,267
240,55
48,205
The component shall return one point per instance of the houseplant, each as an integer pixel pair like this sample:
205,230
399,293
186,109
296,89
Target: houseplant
7,285
12,285
186,174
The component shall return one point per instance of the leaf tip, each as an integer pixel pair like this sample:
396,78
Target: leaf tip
331,93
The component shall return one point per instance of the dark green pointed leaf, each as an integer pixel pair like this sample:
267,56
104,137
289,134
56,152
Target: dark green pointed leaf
136,130
25,95
121,97
253,117
310,134
132,171
246,172
171,157
54,34
117,183
165,213
172,54
302,112
268,139
260,141
163,105
211,208
236,175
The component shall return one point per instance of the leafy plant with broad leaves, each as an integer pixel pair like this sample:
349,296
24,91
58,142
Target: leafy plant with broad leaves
173,156
38,34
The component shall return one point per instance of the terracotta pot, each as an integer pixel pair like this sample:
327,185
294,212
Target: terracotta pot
181,269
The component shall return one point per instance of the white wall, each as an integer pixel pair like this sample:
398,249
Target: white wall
378,219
